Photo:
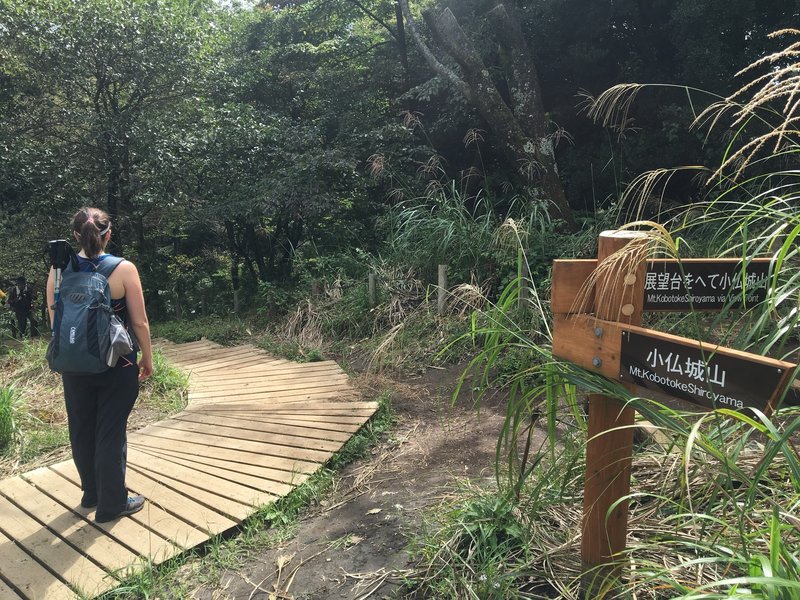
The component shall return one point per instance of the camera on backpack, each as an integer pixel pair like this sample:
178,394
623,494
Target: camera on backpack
61,253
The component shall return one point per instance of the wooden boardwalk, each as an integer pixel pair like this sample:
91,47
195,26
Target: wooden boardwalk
255,428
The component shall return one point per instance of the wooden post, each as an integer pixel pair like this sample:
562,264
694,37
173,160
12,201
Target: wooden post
371,287
609,451
178,308
442,289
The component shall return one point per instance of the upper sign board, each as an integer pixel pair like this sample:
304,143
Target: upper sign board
704,284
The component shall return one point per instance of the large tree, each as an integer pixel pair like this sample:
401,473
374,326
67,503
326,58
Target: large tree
517,117
102,77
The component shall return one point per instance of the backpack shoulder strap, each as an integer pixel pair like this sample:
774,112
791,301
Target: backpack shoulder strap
107,265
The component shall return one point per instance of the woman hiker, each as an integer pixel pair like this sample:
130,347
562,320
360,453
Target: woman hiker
98,405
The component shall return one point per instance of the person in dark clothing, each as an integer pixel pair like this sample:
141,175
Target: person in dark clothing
98,405
20,299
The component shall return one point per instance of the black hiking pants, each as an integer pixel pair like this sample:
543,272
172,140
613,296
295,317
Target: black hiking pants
97,409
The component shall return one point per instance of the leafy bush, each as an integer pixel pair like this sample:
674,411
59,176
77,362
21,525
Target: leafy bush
473,547
226,331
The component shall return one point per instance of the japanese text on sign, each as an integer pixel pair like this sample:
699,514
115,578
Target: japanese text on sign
704,285
688,371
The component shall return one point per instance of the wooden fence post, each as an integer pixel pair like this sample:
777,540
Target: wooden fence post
442,289
371,291
609,451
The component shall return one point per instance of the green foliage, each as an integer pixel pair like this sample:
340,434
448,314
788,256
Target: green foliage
444,228
226,331
274,299
474,547
9,407
166,387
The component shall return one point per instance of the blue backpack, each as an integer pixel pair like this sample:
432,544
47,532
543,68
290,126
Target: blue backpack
82,317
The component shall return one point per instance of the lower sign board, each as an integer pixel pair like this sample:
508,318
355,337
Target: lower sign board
701,375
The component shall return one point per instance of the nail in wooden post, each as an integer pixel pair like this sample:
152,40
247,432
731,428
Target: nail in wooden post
372,298
609,451
440,300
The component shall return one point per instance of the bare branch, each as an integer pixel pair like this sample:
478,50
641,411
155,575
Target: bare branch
430,57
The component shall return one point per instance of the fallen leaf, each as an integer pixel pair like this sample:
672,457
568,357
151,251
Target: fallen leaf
374,511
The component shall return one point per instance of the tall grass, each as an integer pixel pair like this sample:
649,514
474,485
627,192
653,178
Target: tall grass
8,417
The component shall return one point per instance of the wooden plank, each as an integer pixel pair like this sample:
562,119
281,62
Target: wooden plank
194,513
288,479
190,347
127,532
229,367
267,378
288,369
6,592
267,384
151,516
281,387
213,357
70,526
334,406
264,426
206,354
28,576
257,418
229,488
321,394
576,339
251,435
236,456
340,423
72,566
209,354
225,506
213,439
228,355
226,472
569,278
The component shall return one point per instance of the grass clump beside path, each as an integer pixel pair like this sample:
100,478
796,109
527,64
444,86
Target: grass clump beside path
32,406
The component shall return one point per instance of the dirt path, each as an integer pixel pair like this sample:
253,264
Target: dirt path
347,549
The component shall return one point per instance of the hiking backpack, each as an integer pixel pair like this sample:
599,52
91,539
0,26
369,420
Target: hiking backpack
81,339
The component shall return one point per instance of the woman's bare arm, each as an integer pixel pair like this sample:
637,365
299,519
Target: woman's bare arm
137,315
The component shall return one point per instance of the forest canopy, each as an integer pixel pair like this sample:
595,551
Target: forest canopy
236,146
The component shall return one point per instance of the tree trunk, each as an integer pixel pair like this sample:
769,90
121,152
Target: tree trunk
521,127
402,46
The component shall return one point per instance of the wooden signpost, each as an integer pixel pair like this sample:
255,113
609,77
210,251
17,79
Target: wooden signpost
599,331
